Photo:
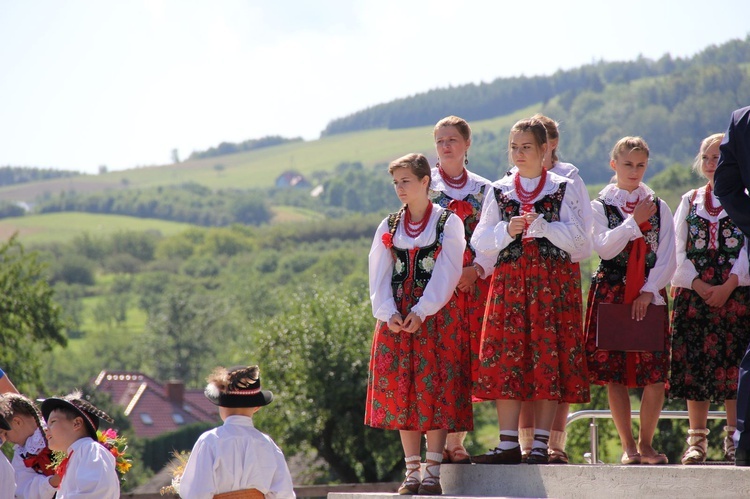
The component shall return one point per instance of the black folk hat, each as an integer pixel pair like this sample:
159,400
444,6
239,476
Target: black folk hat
74,402
4,423
237,386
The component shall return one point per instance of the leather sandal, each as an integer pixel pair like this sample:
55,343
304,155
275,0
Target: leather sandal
655,459
634,458
412,482
697,445
557,456
430,485
457,455
501,456
729,449
538,456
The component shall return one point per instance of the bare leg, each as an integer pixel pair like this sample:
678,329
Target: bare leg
697,413
561,417
454,446
508,412
619,404
731,407
651,404
411,441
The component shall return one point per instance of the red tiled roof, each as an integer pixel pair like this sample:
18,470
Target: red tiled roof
148,405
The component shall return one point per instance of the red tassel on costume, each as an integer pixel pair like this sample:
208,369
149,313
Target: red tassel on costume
635,276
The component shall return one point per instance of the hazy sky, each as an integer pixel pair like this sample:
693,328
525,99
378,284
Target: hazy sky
121,83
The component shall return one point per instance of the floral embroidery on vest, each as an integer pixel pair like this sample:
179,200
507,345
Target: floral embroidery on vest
549,206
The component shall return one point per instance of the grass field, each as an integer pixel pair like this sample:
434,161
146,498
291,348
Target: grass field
63,227
260,168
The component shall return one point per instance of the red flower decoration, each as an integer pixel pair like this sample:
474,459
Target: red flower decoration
40,462
63,466
388,240
461,208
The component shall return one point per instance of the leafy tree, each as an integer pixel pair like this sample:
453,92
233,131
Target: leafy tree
183,332
30,320
315,357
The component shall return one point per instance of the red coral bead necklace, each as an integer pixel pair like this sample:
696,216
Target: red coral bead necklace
457,182
710,208
412,229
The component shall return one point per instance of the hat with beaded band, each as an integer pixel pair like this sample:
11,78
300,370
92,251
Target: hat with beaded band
237,386
88,412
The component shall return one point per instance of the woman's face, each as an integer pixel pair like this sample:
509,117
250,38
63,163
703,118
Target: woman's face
709,160
450,145
524,152
629,169
408,187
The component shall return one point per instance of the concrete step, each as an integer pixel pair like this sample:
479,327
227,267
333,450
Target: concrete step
586,481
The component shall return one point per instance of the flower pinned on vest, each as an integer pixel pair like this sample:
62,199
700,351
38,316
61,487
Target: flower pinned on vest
387,240
117,446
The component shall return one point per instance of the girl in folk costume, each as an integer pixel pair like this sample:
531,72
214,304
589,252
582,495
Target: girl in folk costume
634,236
530,346
709,320
32,458
418,382
454,187
581,204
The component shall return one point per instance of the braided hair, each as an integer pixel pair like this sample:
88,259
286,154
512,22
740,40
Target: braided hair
18,405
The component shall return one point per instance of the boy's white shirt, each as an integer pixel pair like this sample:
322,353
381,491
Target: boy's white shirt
236,456
91,472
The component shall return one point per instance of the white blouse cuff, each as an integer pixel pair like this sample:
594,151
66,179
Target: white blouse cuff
538,227
657,299
684,275
386,311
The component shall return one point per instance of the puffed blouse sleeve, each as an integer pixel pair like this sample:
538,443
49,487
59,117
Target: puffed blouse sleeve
380,272
685,272
665,265
446,272
608,243
741,267
491,234
586,215
568,234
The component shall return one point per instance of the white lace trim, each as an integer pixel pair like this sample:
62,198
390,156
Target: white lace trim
34,444
614,196
473,184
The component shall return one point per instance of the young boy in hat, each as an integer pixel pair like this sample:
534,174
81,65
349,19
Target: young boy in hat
89,470
235,457
7,475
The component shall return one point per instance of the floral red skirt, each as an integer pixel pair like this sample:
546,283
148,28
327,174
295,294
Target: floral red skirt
421,381
473,306
632,369
532,342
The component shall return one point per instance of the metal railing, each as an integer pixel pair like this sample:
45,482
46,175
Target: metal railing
595,414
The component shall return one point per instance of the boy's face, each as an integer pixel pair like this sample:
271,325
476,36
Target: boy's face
62,432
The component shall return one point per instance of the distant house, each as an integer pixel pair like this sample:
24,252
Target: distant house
291,178
154,408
